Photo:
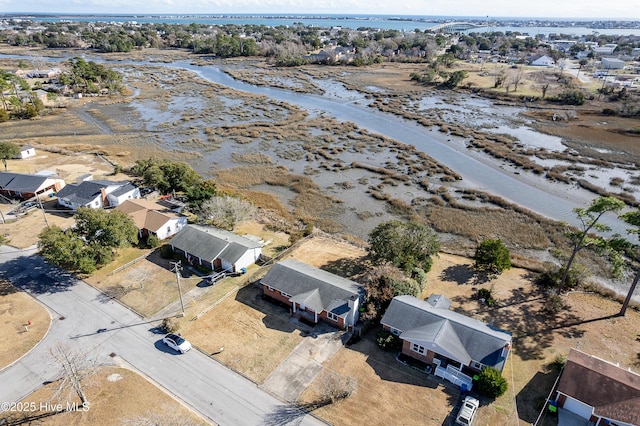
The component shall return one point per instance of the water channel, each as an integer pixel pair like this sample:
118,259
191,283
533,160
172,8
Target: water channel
553,200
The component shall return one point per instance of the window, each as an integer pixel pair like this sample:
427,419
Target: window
477,365
287,295
332,316
417,348
269,288
394,331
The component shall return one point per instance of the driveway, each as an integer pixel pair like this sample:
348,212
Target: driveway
298,370
84,318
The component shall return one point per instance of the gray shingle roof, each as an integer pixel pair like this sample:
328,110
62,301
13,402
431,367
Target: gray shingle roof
319,290
20,182
86,191
211,243
441,329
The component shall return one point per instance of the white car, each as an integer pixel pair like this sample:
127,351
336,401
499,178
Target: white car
468,411
176,342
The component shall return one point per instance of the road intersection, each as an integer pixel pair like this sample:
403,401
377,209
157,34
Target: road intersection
83,317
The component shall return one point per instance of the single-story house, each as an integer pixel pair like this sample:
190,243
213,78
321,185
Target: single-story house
598,391
543,61
25,186
606,49
152,218
453,345
314,294
612,63
96,194
215,248
27,151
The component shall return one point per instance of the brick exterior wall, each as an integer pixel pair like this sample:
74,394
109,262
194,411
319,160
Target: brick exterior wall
275,294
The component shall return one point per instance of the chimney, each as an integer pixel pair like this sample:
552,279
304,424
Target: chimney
105,200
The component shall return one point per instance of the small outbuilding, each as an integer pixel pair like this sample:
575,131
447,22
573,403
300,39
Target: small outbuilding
27,151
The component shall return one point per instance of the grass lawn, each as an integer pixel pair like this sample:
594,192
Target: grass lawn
17,309
146,286
256,334
117,396
387,392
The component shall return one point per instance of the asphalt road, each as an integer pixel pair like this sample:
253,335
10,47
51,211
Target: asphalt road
83,318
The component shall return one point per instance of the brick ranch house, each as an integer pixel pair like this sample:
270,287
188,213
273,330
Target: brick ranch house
599,392
453,346
313,294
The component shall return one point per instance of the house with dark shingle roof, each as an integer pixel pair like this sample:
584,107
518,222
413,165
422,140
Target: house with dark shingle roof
96,194
153,218
215,248
598,391
25,186
453,345
314,294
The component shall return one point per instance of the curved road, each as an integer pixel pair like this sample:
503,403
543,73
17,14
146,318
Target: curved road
82,317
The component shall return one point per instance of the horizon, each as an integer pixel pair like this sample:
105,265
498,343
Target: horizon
496,9
312,15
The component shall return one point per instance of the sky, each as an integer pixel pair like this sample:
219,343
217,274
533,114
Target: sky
593,9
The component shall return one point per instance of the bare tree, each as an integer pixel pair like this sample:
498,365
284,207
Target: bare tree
226,211
516,77
75,367
334,386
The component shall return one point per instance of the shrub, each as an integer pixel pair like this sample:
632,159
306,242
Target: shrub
554,304
153,241
420,276
387,341
170,325
166,252
492,256
570,97
485,295
491,383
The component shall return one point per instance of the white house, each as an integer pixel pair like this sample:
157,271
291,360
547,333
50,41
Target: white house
96,194
152,218
606,49
543,61
215,248
612,63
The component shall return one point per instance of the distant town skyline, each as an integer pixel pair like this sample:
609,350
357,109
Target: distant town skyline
584,9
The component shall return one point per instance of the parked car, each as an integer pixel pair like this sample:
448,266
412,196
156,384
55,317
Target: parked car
29,205
467,413
176,342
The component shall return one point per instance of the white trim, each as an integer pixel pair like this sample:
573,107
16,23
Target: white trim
418,349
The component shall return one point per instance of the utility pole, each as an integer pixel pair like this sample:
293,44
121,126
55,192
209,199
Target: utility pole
44,214
177,267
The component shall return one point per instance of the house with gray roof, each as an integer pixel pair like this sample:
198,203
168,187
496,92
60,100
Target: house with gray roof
314,294
599,392
455,346
96,194
25,186
215,248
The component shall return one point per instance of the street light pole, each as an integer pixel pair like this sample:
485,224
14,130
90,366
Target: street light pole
177,268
